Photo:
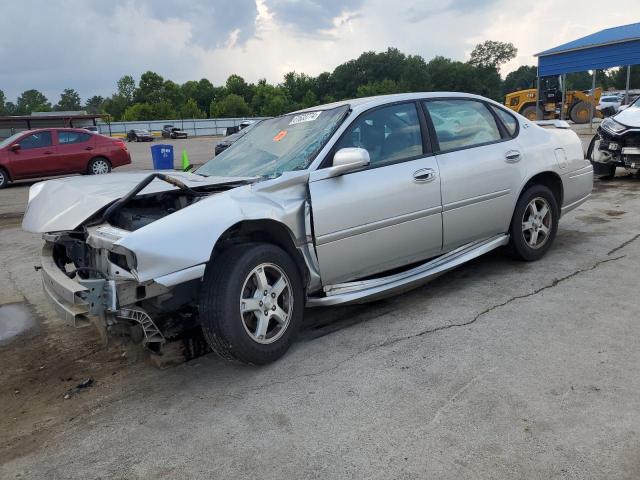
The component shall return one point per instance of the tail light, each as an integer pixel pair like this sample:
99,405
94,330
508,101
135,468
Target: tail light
121,144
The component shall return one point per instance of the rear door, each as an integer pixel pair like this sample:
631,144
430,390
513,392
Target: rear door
35,157
74,150
384,216
481,167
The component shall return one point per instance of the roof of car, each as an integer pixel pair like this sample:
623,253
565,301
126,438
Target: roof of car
368,102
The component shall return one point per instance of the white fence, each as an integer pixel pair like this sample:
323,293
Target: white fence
193,126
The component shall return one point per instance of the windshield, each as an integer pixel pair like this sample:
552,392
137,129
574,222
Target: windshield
10,140
277,145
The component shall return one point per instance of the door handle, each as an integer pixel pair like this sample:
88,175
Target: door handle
512,156
47,152
88,148
424,175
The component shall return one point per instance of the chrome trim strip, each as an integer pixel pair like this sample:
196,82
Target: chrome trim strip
368,227
478,199
367,290
576,204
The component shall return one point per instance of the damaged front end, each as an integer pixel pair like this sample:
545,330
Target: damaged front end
91,279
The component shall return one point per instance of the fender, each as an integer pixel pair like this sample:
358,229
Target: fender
186,239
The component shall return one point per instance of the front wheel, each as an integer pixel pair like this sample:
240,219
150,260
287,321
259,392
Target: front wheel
99,166
534,224
251,303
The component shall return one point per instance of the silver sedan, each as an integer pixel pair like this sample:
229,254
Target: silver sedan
337,204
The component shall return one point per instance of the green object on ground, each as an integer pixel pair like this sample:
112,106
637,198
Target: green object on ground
185,160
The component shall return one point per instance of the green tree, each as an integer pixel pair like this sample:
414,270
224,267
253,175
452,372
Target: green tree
138,111
94,104
69,101
236,85
492,54
520,79
32,101
126,88
231,106
3,100
190,110
203,92
164,110
115,106
172,92
618,77
10,108
383,87
149,88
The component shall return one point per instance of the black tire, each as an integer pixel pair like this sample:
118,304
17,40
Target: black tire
519,247
92,165
580,112
222,322
4,178
532,113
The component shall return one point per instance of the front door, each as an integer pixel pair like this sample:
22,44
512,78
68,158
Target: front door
35,157
481,168
387,215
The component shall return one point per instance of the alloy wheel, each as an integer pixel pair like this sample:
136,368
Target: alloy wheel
266,303
536,223
99,166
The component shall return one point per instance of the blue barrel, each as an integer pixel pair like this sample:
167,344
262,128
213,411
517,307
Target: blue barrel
162,156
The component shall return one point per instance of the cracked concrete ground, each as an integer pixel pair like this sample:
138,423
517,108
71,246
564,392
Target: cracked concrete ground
497,370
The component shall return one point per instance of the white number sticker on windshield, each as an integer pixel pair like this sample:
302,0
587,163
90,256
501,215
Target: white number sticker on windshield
305,117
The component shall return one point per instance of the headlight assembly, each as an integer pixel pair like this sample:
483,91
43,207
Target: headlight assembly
613,126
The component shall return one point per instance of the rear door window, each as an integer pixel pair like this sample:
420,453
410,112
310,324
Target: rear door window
67,138
508,120
36,140
461,123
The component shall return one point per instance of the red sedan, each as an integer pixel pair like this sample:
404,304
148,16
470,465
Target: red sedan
58,151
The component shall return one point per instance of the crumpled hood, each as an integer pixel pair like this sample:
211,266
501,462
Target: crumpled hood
63,204
629,116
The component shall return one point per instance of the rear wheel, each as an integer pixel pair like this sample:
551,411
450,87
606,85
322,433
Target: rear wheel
534,224
99,166
580,112
4,178
251,303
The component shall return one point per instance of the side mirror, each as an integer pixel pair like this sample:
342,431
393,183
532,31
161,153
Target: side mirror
348,159
15,147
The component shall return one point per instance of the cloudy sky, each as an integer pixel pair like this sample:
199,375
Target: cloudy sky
88,45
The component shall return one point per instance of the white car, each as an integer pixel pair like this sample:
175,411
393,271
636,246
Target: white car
609,104
340,203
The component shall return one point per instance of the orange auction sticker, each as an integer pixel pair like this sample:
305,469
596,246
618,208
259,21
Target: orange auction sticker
280,136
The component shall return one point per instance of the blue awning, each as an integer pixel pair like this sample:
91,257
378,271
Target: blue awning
612,47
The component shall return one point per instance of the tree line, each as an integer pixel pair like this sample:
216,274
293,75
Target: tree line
372,73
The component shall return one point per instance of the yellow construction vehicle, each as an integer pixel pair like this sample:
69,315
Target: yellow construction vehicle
577,104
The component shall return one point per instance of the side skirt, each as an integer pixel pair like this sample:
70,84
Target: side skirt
374,289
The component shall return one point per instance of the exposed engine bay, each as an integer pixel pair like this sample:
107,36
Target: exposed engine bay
146,312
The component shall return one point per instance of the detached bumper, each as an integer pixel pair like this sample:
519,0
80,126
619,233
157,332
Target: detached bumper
65,294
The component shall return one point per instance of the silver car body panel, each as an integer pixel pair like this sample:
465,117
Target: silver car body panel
345,228
368,290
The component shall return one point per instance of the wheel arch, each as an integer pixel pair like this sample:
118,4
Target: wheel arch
262,231
549,179
6,170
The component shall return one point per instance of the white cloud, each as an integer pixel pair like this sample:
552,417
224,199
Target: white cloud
89,45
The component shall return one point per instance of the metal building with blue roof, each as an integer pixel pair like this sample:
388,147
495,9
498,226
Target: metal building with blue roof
612,47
